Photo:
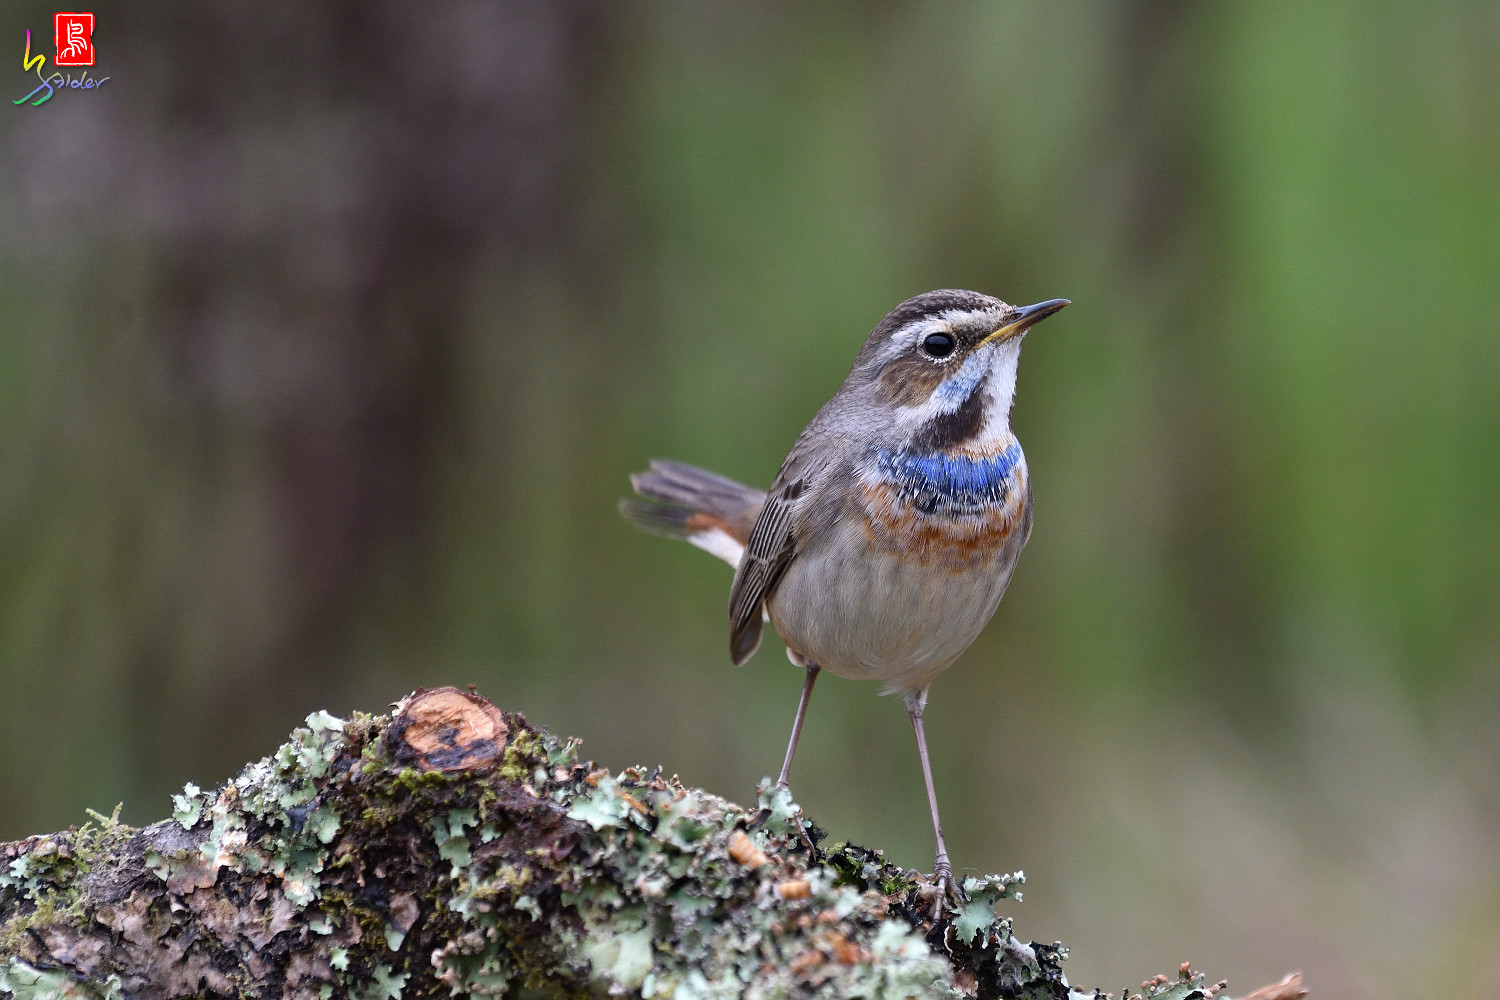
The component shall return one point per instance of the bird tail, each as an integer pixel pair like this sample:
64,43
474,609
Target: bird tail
698,506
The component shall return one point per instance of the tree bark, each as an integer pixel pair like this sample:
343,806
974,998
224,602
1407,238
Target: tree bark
452,849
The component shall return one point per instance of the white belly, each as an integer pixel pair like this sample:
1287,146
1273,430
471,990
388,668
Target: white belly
869,614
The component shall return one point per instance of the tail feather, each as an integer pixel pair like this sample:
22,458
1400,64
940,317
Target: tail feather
656,518
682,501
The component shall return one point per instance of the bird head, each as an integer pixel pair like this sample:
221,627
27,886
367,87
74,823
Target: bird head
942,365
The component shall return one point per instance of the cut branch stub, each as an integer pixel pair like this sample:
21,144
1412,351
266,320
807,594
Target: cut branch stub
445,729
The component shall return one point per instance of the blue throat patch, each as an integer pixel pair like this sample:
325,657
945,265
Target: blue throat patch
950,484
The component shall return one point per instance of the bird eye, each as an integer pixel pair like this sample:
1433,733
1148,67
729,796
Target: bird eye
939,345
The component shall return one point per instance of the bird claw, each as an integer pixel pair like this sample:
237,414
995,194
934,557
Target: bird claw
948,888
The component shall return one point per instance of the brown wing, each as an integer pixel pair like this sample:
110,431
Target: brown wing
769,552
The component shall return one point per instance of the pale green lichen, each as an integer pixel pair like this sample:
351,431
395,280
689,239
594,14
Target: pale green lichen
448,832
21,981
603,807
384,984
187,808
289,778
621,952
978,914
779,814
277,791
664,911
323,823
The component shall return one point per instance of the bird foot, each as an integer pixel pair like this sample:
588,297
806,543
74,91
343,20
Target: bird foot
801,823
949,890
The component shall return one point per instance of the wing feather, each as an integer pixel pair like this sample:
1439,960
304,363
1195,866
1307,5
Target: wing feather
770,550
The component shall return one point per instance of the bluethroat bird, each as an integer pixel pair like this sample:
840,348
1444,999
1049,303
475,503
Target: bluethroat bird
893,527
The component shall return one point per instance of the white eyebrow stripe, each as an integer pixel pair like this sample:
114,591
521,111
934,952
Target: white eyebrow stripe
959,317
906,337
944,322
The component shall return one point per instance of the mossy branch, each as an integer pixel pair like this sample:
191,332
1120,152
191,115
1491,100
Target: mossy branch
450,849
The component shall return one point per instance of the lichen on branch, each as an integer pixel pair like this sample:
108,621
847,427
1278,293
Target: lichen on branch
450,849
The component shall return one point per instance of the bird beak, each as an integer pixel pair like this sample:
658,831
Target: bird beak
1024,319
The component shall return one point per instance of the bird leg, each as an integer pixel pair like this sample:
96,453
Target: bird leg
942,869
791,747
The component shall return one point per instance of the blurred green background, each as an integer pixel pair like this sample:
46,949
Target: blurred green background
330,333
